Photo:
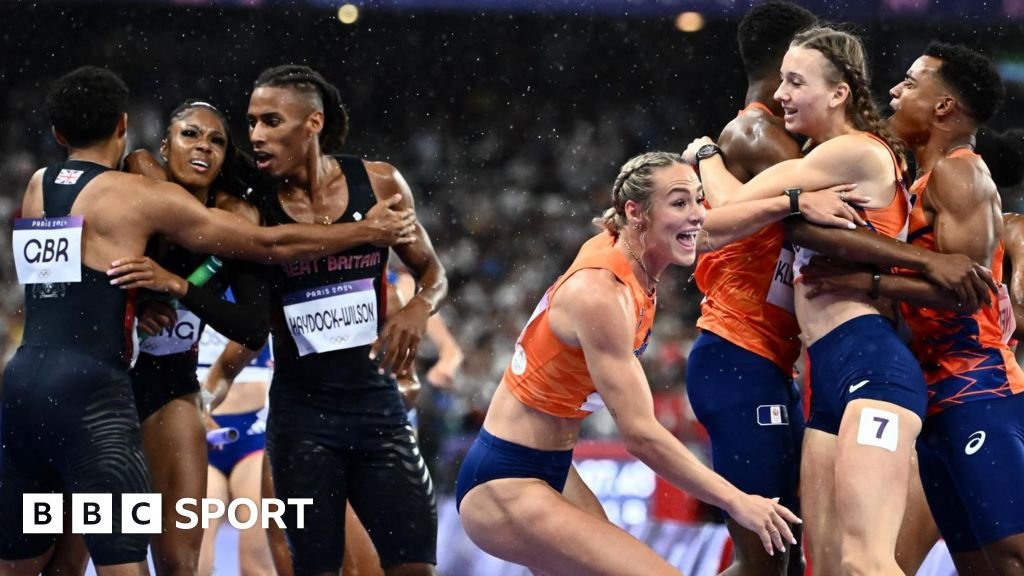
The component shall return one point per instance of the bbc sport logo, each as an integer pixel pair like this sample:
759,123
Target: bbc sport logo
143,514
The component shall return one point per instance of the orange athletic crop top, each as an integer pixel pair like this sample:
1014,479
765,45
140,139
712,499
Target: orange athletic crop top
748,292
551,376
964,357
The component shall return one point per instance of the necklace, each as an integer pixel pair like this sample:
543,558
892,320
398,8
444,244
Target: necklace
650,278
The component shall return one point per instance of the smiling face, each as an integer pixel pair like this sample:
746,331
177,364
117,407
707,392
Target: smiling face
283,126
808,91
915,98
195,148
676,214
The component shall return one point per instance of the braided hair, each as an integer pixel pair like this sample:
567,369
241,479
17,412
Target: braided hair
635,182
845,53
308,81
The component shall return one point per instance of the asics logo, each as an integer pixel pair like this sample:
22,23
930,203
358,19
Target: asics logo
974,442
858,386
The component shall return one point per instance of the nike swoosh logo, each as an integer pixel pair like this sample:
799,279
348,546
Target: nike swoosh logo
858,386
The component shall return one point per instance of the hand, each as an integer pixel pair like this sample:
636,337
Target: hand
143,272
391,226
690,154
155,315
832,206
971,281
400,337
441,375
767,518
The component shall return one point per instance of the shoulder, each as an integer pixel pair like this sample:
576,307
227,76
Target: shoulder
961,182
236,205
143,161
36,181
594,291
856,153
756,140
387,180
32,202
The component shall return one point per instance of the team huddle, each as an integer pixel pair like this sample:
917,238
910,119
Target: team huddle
805,235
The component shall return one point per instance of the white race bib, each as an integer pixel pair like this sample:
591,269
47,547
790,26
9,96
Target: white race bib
330,318
48,250
1007,321
780,293
174,339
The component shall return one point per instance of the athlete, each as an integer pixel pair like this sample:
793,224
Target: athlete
973,379
739,372
334,403
71,370
518,494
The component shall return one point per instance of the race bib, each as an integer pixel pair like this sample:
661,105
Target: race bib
174,339
48,250
1007,321
780,293
330,318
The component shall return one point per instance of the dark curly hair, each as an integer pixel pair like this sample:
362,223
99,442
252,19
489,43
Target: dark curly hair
308,81
85,105
765,32
972,75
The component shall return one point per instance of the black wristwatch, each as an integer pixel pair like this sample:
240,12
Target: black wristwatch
707,151
794,200
876,286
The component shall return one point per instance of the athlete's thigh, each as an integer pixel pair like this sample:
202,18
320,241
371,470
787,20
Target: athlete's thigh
390,490
361,557
525,521
577,493
873,454
817,499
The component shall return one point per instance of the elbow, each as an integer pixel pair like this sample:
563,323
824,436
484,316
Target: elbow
639,440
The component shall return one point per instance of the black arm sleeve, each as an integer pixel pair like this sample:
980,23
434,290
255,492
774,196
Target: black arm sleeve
246,320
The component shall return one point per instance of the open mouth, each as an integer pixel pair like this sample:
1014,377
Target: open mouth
688,239
262,160
201,166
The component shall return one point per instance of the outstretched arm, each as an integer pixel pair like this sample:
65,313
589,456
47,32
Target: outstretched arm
169,210
728,224
600,312
832,163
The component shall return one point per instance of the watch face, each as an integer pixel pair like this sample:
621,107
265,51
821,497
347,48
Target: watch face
707,151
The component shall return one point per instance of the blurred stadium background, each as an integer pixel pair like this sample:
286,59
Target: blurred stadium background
509,118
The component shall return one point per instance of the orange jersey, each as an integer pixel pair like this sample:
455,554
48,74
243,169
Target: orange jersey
551,376
748,292
965,357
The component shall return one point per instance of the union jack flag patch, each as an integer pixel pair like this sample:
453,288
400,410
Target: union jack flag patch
68,176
